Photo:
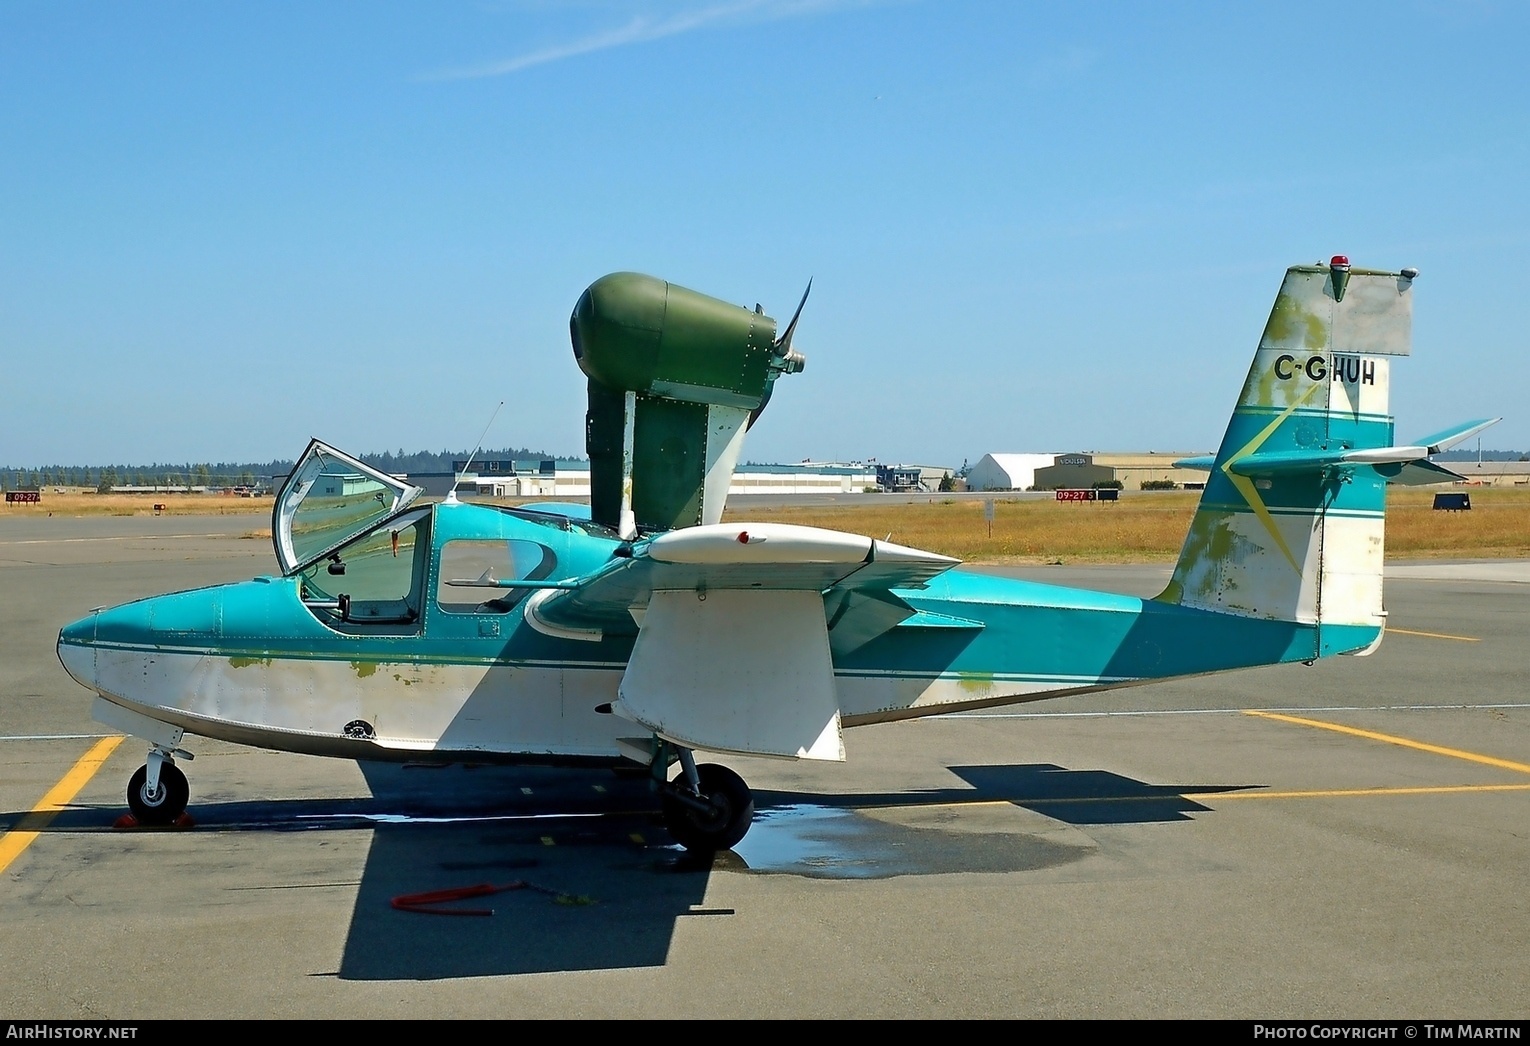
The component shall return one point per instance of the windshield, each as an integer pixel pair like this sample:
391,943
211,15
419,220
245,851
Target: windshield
378,579
330,498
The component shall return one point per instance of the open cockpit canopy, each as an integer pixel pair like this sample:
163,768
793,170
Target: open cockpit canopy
329,499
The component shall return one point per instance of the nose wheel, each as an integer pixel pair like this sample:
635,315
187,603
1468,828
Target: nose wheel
157,794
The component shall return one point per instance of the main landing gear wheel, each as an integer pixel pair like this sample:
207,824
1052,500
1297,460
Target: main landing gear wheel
716,819
163,805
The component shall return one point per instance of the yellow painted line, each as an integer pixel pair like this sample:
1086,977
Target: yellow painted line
1212,797
59,796
1433,635
1456,753
1344,793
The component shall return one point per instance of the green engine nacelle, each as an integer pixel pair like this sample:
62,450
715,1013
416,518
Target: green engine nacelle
676,377
635,333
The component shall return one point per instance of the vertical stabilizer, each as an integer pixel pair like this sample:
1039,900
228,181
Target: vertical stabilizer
1290,526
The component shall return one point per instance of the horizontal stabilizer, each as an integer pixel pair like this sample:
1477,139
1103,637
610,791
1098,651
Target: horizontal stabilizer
1418,474
1403,466
1205,463
1450,437
1315,461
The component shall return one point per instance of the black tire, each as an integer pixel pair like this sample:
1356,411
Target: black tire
164,807
731,815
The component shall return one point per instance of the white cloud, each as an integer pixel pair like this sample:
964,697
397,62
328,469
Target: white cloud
645,28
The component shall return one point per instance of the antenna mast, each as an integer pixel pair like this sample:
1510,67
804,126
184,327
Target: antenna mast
451,495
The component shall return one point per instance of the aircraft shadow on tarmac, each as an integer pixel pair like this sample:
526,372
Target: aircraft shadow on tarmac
1087,796
594,881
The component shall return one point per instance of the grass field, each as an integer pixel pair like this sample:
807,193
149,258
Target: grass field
1151,527
1138,529
82,503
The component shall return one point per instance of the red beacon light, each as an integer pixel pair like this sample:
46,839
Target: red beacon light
1338,267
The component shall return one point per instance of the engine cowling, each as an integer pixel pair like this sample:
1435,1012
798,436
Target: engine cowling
688,374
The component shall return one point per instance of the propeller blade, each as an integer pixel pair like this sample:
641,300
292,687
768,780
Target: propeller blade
783,344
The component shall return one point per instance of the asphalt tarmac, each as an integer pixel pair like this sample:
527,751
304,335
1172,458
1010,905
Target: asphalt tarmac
1343,840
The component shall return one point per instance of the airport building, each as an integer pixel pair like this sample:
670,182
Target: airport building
571,479
539,478
901,478
559,478
806,478
1130,470
1490,473
1007,471
1082,470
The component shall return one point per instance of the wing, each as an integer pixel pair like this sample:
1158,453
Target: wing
733,622
747,557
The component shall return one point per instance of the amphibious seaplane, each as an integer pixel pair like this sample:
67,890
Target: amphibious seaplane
640,628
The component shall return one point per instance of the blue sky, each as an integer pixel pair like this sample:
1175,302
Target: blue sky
225,228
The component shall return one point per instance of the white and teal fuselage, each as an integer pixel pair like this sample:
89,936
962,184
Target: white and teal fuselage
1282,563
253,664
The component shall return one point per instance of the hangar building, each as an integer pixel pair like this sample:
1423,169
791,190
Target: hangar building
1007,471
1490,473
1130,470
565,479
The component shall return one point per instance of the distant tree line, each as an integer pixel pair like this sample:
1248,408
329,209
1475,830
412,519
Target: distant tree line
426,461
228,474
104,477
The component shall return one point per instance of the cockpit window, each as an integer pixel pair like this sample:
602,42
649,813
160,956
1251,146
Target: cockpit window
472,574
329,499
377,580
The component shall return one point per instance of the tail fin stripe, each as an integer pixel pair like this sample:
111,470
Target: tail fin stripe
1265,433
1252,409
1296,512
1245,486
